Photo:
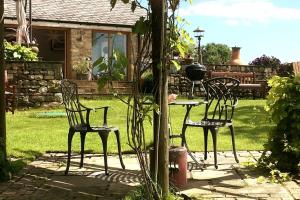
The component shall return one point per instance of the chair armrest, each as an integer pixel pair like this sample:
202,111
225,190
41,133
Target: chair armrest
81,110
104,114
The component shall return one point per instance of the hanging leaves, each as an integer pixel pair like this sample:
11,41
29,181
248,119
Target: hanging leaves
142,26
113,3
174,4
133,6
176,64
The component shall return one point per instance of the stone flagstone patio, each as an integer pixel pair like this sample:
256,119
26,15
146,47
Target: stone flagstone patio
45,179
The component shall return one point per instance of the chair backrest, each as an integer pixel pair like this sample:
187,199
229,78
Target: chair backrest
70,97
220,98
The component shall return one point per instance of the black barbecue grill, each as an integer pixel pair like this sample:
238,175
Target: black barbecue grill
195,72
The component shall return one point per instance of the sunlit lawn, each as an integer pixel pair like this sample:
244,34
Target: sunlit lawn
28,136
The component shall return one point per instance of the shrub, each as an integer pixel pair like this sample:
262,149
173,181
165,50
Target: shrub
283,103
285,69
266,61
18,52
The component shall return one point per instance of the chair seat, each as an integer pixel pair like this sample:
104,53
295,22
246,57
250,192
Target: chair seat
95,128
208,123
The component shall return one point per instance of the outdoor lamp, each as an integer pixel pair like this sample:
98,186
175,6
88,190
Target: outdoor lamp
198,33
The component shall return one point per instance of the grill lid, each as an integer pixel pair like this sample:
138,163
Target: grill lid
195,72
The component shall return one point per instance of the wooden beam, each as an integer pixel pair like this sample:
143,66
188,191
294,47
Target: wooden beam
2,87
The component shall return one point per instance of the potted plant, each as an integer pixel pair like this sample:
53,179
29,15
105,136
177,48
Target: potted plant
84,69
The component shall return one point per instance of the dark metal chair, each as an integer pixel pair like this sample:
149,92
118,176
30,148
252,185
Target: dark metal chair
79,121
10,95
220,102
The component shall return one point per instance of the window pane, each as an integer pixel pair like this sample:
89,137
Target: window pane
100,46
119,43
104,44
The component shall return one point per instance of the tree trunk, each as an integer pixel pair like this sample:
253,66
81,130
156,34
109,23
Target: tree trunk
156,58
2,86
160,123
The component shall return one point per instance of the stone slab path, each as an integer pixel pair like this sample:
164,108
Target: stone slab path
45,179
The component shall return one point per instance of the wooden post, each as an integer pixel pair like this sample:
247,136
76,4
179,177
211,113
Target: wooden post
160,123
296,68
2,86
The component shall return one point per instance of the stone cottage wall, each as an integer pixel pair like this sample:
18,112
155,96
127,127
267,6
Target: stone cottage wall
37,83
80,47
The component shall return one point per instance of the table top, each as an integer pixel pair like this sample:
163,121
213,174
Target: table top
6,92
185,102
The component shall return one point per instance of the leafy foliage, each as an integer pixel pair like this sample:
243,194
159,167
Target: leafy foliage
179,39
213,53
275,175
283,103
266,61
141,194
18,52
141,26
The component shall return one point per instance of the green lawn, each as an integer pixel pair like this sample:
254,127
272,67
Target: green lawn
28,136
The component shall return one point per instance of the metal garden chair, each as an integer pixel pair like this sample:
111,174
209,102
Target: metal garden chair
10,95
220,102
79,121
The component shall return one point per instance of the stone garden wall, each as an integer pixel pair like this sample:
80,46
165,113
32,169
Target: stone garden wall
261,72
37,83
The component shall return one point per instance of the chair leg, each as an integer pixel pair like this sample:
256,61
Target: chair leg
70,137
119,148
214,132
233,143
205,130
82,138
104,136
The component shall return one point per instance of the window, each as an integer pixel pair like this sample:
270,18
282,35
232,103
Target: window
105,43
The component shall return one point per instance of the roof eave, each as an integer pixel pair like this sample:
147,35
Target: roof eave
72,25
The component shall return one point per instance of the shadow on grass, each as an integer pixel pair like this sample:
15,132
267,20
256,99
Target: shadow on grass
255,120
29,154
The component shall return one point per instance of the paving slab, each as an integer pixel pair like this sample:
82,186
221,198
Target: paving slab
44,179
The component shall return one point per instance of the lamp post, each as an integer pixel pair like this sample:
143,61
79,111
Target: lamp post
199,34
